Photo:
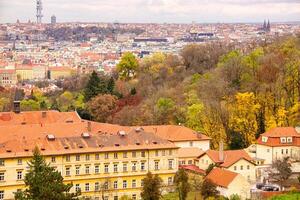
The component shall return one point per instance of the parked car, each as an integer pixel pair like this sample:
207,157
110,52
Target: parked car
269,188
259,185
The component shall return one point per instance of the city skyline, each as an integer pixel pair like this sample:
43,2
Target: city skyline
153,11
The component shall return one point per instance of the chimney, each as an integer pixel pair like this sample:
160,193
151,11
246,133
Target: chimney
297,128
44,114
221,151
17,108
89,126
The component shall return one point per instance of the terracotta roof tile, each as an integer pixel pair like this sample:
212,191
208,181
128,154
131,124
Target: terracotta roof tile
190,152
221,177
192,168
230,156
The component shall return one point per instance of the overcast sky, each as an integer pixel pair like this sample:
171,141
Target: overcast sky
177,11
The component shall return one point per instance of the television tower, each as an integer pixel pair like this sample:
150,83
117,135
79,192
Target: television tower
39,8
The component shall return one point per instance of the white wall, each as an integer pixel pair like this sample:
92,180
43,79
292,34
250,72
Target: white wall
204,144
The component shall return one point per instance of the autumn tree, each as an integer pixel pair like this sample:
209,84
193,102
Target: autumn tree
102,106
152,187
282,170
43,182
208,189
128,66
181,181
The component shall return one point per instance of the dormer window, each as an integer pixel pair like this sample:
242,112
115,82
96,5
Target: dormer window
289,139
264,139
283,140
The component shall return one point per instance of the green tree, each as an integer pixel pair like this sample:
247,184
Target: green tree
111,85
181,181
151,188
4,104
44,182
209,168
65,101
208,189
94,86
29,105
165,108
128,66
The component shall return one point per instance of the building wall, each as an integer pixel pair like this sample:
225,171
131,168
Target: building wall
204,162
239,186
245,168
270,154
57,74
61,163
204,145
25,74
7,79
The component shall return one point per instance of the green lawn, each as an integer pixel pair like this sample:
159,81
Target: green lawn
191,196
292,196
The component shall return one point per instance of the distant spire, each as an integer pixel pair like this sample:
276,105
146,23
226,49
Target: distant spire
268,26
265,25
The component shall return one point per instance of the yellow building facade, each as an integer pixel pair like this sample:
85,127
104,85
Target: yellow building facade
102,164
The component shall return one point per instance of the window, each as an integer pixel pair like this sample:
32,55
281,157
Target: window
170,164
283,140
133,183
1,162
97,169
190,162
97,156
289,140
115,184
133,166
248,177
87,157
87,169
124,167
142,166
19,175
19,161
115,197
286,151
134,197
97,186
282,151
234,168
68,173
170,180
191,143
248,167
106,168
156,165
53,159
115,155
106,156
105,197
142,183
115,168
242,167
77,170
133,154
124,184
1,194
124,154
106,185
268,150
1,176
77,157
264,139
87,187
143,154
156,153
163,152
170,152
68,158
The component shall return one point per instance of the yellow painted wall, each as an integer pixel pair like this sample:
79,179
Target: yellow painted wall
11,167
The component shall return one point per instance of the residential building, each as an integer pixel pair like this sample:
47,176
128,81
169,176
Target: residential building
229,183
8,77
237,161
278,143
97,158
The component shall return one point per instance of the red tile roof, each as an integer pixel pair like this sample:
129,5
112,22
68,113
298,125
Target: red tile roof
192,168
221,177
230,157
274,135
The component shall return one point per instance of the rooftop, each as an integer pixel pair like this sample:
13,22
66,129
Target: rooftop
221,177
